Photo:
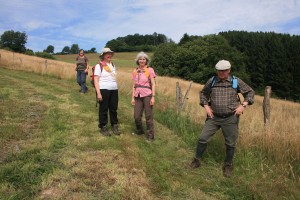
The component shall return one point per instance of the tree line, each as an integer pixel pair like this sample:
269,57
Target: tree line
137,42
259,58
271,59
16,41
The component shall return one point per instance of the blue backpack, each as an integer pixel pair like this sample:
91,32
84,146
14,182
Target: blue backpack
234,83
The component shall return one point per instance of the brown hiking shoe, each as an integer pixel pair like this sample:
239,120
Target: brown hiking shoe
195,163
227,169
115,129
149,139
105,131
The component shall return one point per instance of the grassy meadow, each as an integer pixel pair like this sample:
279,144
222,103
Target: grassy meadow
50,146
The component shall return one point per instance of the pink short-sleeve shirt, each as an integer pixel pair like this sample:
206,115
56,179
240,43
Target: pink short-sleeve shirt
142,82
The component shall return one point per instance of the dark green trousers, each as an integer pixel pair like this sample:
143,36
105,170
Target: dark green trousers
229,127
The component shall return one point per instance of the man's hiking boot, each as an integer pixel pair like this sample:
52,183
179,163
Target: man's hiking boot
227,169
150,136
195,163
105,131
115,129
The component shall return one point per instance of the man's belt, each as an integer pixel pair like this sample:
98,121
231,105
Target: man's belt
224,115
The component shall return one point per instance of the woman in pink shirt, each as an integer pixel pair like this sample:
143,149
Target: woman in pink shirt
143,95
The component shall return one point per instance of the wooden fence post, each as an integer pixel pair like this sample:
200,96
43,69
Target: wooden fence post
266,105
46,64
178,96
186,96
180,100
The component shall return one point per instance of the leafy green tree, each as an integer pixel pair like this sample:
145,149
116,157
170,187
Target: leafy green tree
49,49
93,50
14,41
44,55
66,50
74,49
164,59
186,38
137,42
116,45
161,39
195,59
29,52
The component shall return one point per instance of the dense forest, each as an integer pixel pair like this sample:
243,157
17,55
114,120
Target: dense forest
272,59
137,42
260,59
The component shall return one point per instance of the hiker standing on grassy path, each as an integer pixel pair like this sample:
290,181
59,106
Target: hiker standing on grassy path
143,95
82,68
220,99
107,92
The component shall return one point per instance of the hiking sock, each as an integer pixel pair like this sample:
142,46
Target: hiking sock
229,154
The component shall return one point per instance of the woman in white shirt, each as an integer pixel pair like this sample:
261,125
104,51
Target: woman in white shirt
107,92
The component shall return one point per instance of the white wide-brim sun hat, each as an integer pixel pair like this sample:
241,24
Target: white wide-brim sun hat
105,50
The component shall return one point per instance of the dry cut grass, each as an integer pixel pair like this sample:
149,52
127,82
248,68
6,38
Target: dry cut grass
17,61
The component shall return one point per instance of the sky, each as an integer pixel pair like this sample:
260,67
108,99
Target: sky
92,23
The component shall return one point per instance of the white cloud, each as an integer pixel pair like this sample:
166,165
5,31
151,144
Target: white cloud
93,23
34,24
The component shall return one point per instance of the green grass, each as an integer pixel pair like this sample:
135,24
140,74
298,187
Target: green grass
50,148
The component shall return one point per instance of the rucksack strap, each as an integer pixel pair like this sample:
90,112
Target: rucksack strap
146,72
212,82
103,65
234,83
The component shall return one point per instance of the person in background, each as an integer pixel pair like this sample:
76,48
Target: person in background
107,92
143,95
223,109
82,68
